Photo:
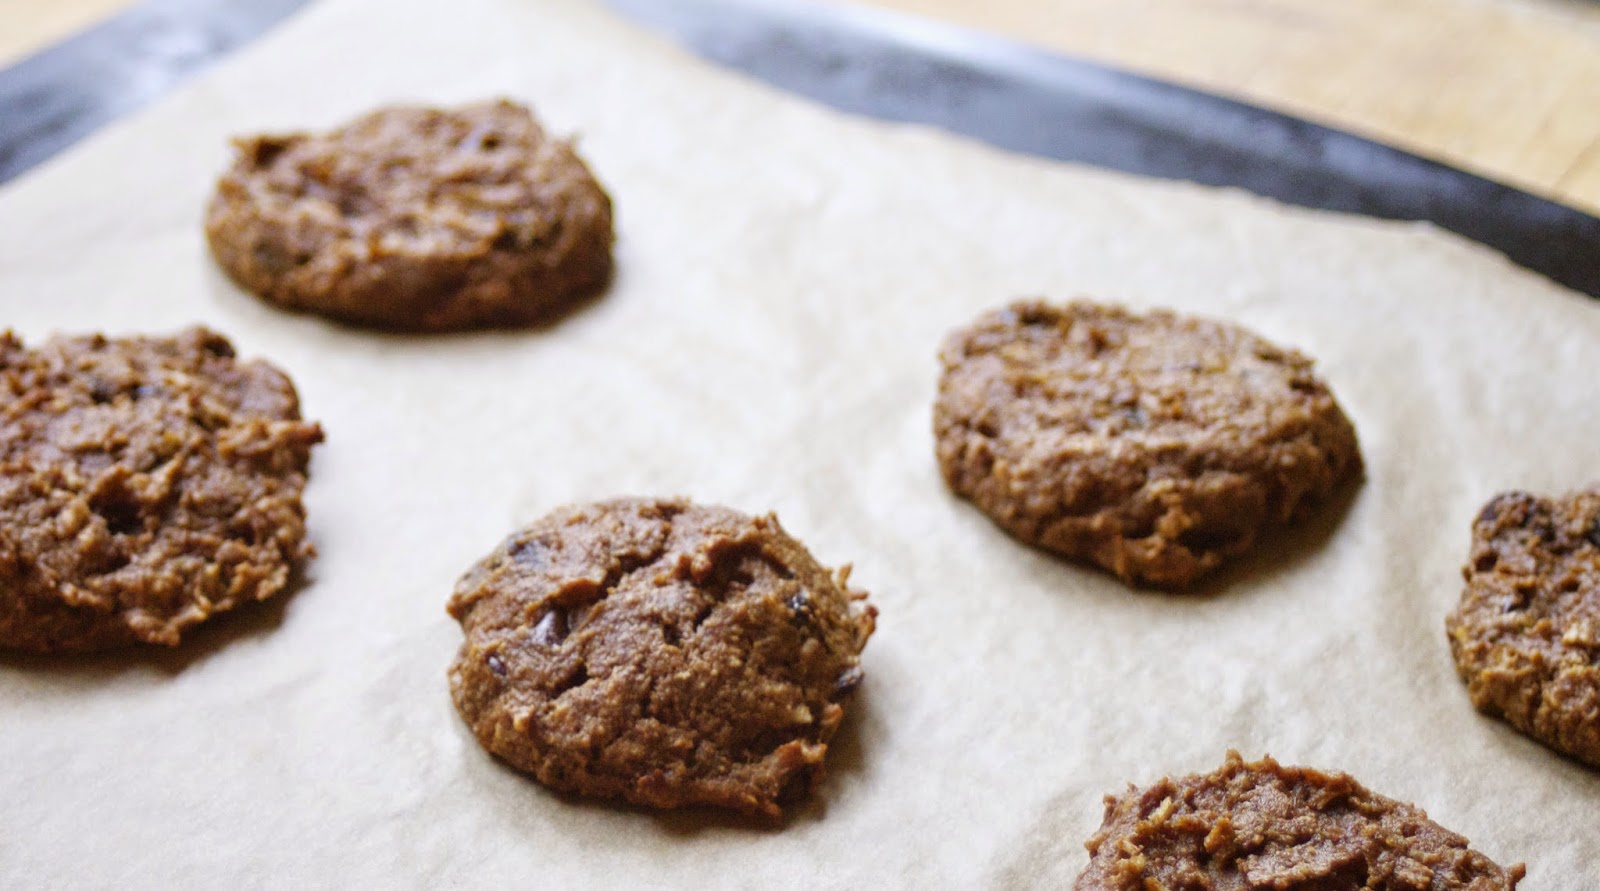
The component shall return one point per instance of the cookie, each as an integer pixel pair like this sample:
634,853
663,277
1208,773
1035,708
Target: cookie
659,652
1155,446
1261,825
416,219
1526,634
147,484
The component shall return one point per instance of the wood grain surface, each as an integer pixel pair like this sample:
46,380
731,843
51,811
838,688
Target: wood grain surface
1506,88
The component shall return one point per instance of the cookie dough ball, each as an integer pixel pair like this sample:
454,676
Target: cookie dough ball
1526,634
416,219
148,483
1156,446
1261,825
660,652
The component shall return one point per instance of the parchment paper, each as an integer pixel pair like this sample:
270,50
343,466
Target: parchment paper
786,275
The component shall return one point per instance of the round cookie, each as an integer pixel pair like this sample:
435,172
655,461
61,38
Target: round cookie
1155,446
416,219
1526,634
660,652
147,484
1261,825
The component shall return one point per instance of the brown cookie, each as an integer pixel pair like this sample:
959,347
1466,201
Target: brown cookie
1526,635
660,652
1261,825
416,219
1156,446
147,483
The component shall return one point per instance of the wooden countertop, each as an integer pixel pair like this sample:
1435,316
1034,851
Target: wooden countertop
1506,88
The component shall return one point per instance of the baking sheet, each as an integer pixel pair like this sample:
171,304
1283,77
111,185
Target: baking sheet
785,276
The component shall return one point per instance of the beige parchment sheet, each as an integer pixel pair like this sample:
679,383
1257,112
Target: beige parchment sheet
786,274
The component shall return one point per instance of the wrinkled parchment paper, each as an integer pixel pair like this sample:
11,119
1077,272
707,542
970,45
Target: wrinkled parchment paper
786,276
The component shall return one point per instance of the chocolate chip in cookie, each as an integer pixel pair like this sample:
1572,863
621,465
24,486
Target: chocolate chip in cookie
660,652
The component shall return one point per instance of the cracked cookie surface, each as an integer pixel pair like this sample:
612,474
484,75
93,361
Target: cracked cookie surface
1526,633
416,219
1260,825
661,652
146,484
1155,446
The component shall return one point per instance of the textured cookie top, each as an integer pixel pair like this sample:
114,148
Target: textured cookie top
146,484
1264,826
416,218
1154,445
1526,634
661,652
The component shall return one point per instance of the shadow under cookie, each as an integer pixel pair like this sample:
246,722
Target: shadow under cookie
846,760
252,621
